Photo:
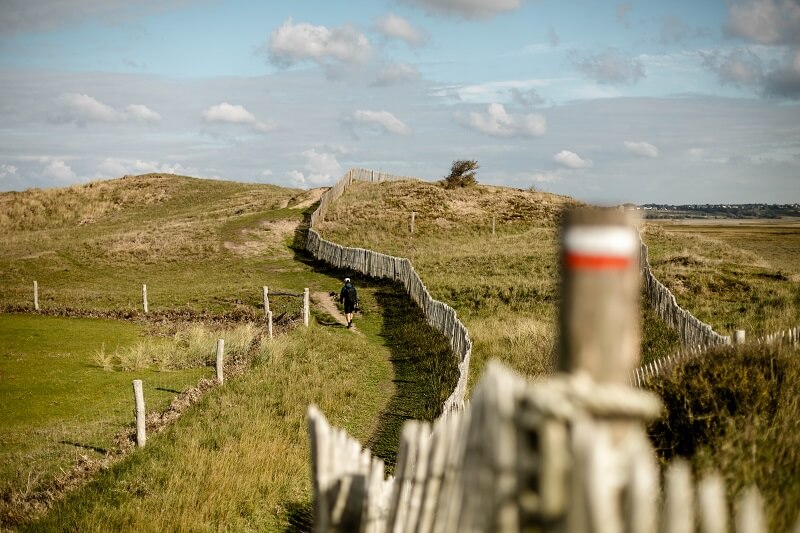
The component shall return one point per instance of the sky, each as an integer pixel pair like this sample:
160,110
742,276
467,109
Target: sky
631,101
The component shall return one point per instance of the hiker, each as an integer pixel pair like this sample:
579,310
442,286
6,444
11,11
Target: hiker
349,298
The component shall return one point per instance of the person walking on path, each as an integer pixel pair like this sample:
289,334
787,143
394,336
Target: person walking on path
349,298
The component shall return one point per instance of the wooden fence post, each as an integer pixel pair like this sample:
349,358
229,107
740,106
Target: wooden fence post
266,300
413,219
494,223
269,323
138,398
306,311
739,336
600,294
36,295
220,355
144,297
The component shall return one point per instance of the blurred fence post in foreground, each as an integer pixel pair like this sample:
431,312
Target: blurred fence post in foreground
144,297
36,295
266,300
219,360
306,310
739,336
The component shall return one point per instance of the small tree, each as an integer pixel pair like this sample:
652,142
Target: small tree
462,174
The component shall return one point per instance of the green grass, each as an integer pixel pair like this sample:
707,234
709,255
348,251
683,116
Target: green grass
239,460
735,411
58,404
731,276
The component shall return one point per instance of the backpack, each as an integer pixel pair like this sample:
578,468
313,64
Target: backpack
350,295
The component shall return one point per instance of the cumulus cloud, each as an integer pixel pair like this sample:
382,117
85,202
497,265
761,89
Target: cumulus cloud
609,67
293,43
321,168
384,120
738,66
496,121
235,114
395,74
42,15
571,160
784,81
7,170
82,109
394,26
58,170
468,9
547,176
765,21
641,149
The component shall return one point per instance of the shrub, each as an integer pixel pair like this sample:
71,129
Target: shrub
462,174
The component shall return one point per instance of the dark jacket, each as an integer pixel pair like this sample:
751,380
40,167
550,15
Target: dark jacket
348,294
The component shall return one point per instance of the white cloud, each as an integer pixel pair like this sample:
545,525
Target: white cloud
548,176
396,73
385,120
396,27
765,21
235,114
294,43
142,112
738,66
571,160
7,170
469,9
82,109
321,168
58,170
113,167
267,173
641,149
499,123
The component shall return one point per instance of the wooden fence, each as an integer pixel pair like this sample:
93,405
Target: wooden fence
569,453
692,331
640,376
438,314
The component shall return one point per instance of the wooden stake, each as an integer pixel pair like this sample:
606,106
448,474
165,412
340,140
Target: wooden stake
600,294
413,219
739,336
220,355
266,300
144,297
494,223
36,295
269,323
138,398
306,311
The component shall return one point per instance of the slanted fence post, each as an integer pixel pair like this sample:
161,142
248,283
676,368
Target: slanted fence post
739,337
144,297
138,398
36,295
306,313
269,323
494,224
413,220
220,356
266,300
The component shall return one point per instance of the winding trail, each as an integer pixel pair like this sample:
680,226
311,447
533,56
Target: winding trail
325,302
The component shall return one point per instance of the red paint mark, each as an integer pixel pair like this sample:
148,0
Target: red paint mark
596,262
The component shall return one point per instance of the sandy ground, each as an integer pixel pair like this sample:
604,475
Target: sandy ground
325,302
313,197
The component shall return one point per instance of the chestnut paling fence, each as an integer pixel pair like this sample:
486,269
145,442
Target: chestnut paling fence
565,454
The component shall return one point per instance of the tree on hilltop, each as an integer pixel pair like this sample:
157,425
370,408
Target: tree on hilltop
462,174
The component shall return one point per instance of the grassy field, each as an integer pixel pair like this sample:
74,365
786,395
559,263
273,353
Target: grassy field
732,276
59,405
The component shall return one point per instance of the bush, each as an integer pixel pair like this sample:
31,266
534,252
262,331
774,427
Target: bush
462,174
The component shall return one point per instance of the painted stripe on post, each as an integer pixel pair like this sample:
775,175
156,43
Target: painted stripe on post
600,247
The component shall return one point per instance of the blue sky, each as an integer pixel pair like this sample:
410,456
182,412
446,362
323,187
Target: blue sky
637,101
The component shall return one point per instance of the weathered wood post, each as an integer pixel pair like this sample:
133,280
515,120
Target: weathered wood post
220,356
739,336
494,223
138,398
413,220
266,300
600,294
269,323
144,297
306,311
36,295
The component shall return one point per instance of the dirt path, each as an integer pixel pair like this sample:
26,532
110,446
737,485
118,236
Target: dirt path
324,302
